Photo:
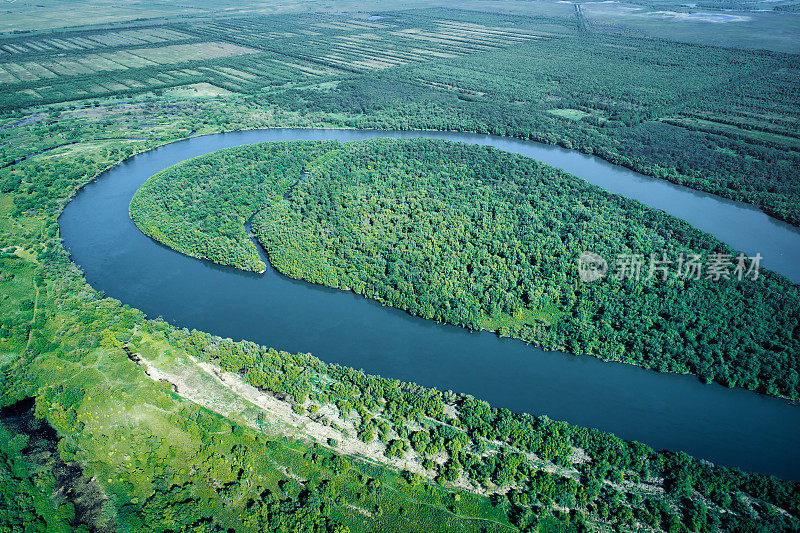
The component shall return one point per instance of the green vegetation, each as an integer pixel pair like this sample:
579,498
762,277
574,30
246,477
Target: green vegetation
714,119
140,426
106,379
219,200
483,239
609,96
24,505
163,463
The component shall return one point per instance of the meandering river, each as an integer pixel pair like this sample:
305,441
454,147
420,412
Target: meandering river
727,426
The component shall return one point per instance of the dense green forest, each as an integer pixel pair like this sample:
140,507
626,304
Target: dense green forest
480,238
24,506
112,420
228,197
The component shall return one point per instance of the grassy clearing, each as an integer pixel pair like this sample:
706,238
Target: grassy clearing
504,322
196,90
572,114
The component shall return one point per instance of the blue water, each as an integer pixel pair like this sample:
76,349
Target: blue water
727,426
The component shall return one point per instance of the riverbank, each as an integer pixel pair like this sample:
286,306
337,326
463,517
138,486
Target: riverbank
665,411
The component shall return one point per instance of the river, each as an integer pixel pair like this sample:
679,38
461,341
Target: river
732,427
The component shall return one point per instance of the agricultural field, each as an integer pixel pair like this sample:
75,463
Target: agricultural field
246,55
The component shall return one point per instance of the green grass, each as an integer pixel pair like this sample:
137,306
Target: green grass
572,114
502,322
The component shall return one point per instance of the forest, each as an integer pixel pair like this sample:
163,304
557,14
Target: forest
156,454
483,239
720,120
694,121
113,420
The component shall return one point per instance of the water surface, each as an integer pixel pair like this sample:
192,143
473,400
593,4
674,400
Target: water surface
728,426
